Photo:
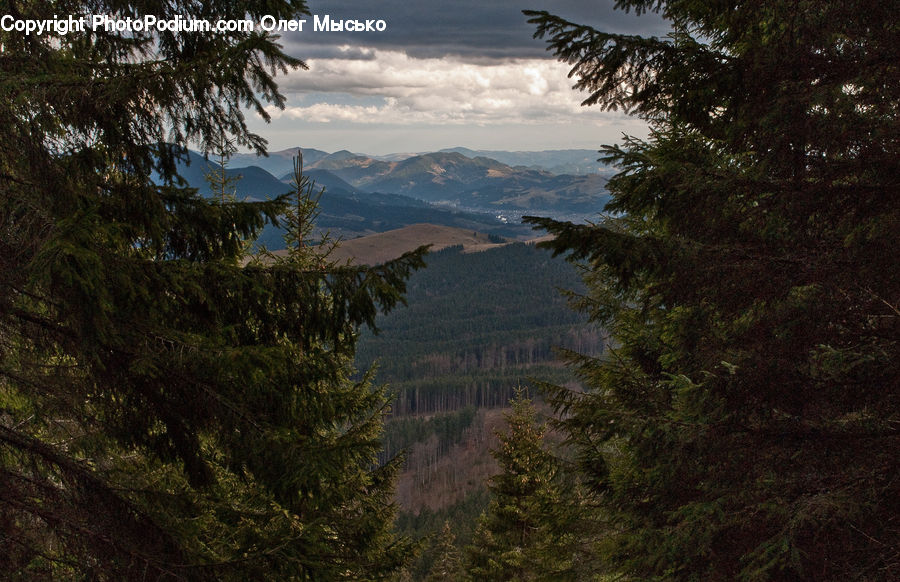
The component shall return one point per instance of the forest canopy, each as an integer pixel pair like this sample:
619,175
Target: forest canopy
745,423
169,411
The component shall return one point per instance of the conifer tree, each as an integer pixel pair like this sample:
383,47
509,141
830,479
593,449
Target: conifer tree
222,186
447,566
523,534
745,422
166,411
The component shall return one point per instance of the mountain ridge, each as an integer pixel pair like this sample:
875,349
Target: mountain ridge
560,161
478,183
344,210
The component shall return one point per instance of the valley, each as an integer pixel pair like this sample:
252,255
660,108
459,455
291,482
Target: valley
487,314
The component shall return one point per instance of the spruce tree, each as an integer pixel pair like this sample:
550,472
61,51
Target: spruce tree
745,422
524,533
447,566
169,411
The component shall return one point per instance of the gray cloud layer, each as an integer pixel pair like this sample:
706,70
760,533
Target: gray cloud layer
470,29
467,72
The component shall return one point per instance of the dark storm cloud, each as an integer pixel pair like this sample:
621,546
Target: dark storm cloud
470,29
443,74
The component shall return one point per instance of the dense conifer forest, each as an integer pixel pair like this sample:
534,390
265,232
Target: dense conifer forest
477,324
173,408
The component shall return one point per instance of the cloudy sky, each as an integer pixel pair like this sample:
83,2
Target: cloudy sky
443,74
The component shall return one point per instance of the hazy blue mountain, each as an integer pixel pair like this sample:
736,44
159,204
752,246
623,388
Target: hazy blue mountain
327,180
255,183
480,183
449,179
396,157
359,170
570,161
278,163
345,209
576,162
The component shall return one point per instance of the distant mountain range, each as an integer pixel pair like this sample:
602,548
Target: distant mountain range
477,183
365,195
344,210
577,162
277,163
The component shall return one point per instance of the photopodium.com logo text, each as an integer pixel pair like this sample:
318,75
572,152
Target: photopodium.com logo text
150,23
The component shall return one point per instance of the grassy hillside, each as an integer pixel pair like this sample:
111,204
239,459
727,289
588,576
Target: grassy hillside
378,248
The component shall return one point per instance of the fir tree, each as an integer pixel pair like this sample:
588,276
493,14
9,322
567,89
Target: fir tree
167,412
744,424
223,186
523,534
447,566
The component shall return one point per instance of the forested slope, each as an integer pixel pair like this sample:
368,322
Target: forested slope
476,325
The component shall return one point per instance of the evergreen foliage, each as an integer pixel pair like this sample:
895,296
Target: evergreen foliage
461,519
221,184
746,424
167,413
447,429
500,314
447,565
524,533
